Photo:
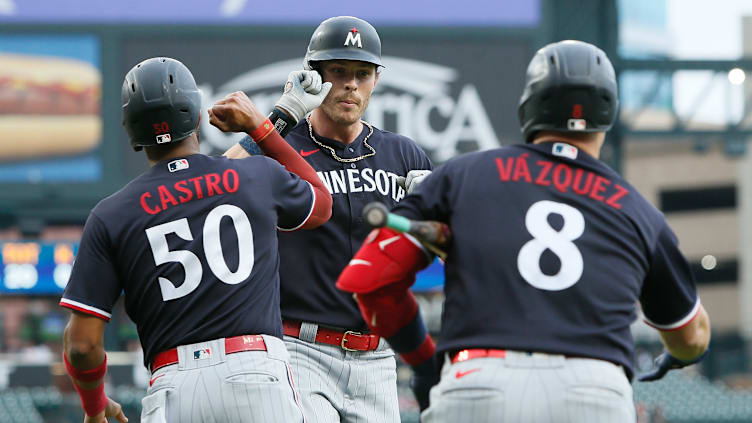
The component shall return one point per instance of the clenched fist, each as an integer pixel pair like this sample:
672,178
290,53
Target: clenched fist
236,113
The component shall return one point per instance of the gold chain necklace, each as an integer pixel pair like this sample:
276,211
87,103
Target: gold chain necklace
334,153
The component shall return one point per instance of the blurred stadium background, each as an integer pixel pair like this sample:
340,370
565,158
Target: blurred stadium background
454,73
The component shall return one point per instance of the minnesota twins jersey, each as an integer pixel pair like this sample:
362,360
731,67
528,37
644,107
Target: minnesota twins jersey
312,260
193,244
551,252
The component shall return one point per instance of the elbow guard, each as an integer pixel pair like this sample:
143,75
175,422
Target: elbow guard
386,258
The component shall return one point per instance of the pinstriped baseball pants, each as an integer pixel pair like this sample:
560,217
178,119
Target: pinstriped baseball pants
249,386
537,388
343,386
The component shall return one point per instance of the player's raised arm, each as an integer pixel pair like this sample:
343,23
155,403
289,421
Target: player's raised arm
236,113
304,91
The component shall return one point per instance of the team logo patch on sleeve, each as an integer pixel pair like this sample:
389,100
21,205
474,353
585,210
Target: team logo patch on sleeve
176,165
202,354
564,150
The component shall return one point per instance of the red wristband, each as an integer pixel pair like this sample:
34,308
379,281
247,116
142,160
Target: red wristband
262,131
93,400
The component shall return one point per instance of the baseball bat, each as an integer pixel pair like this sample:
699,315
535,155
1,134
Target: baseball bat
436,236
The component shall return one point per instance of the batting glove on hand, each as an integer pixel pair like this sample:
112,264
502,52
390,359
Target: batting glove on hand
666,362
425,376
304,92
412,180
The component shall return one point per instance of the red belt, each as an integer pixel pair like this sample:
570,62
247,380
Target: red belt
348,340
232,345
465,355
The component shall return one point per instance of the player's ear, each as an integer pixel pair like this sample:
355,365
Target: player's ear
376,77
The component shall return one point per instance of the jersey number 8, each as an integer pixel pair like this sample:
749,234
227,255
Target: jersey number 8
559,242
212,249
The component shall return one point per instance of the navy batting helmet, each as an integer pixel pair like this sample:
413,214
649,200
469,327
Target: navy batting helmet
344,38
570,86
161,103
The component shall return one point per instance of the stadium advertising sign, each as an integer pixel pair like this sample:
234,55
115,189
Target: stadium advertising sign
450,97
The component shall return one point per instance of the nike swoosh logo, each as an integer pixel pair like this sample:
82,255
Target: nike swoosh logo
460,374
384,243
308,153
359,261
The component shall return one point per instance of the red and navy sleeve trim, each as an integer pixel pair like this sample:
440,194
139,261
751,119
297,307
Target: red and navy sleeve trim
84,308
310,212
684,321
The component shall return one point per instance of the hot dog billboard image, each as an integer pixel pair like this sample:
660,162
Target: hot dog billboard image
50,100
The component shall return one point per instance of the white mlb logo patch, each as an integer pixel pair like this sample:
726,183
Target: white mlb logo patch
176,165
161,139
576,124
564,150
202,354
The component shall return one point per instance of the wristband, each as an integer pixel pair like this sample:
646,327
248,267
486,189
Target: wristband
93,400
283,122
262,131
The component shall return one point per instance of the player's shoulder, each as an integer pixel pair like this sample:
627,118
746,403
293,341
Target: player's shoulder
411,154
112,201
394,139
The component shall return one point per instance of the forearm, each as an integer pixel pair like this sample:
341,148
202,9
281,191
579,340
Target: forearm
85,361
691,341
393,313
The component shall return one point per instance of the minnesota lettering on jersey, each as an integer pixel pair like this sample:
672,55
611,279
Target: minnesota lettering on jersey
186,190
562,177
362,180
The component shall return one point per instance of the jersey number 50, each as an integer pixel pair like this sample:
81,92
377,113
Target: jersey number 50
559,242
212,249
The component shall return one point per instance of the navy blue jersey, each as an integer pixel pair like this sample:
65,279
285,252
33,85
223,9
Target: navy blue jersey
193,244
552,250
312,260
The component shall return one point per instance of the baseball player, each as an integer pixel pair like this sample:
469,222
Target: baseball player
344,373
192,243
551,251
